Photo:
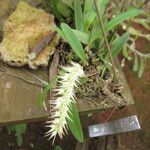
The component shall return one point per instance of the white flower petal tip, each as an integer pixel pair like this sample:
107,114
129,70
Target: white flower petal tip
64,97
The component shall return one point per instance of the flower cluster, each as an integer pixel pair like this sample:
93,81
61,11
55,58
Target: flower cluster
64,97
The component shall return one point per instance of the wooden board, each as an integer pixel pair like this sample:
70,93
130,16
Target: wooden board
19,91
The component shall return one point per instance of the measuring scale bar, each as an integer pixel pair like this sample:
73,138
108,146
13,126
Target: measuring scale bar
116,126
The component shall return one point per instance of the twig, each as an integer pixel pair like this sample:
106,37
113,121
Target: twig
110,114
53,70
92,74
106,40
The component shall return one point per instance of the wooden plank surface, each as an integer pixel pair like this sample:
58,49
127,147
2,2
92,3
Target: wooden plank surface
19,91
18,95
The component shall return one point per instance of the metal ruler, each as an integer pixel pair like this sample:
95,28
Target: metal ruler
114,127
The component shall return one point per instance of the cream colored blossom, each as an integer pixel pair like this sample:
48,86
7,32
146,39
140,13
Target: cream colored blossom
64,96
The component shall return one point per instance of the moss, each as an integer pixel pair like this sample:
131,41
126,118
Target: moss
23,30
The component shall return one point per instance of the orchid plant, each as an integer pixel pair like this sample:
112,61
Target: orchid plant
65,95
84,36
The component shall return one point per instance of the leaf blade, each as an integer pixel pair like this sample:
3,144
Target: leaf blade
78,15
122,17
83,37
102,5
119,43
74,123
114,22
42,96
68,2
141,67
135,64
74,42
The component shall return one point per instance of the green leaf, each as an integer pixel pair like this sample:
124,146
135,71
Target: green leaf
122,17
55,9
19,131
68,2
59,31
118,44
64,9
104,70
125,53
58,147
74,123
96,30
42,96
102,5
19,140
90,17
114,22
74,42
141,67
88,6
78,15
89,20
83,37
135,65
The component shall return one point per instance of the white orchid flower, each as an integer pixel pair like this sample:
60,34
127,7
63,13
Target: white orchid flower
64,97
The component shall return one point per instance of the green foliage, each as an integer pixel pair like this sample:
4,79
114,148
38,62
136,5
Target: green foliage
144,22
139,59
74,123
88,6
57,147
118,44
55,9
74,42
84,31
102,4
135,66
61,8
43,95
125,53
122,17
83,37
78,15
68,2
19,132
89,20
60,32
89,15
114,22
139,65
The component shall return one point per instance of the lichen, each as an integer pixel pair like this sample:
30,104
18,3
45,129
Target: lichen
25,28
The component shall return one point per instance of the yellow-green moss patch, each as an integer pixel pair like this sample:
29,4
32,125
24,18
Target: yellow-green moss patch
25,28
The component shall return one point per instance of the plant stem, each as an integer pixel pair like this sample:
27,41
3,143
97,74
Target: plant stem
105,37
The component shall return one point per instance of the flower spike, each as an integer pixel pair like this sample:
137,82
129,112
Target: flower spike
64,97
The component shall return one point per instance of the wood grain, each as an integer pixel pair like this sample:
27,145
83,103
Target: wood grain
20,88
